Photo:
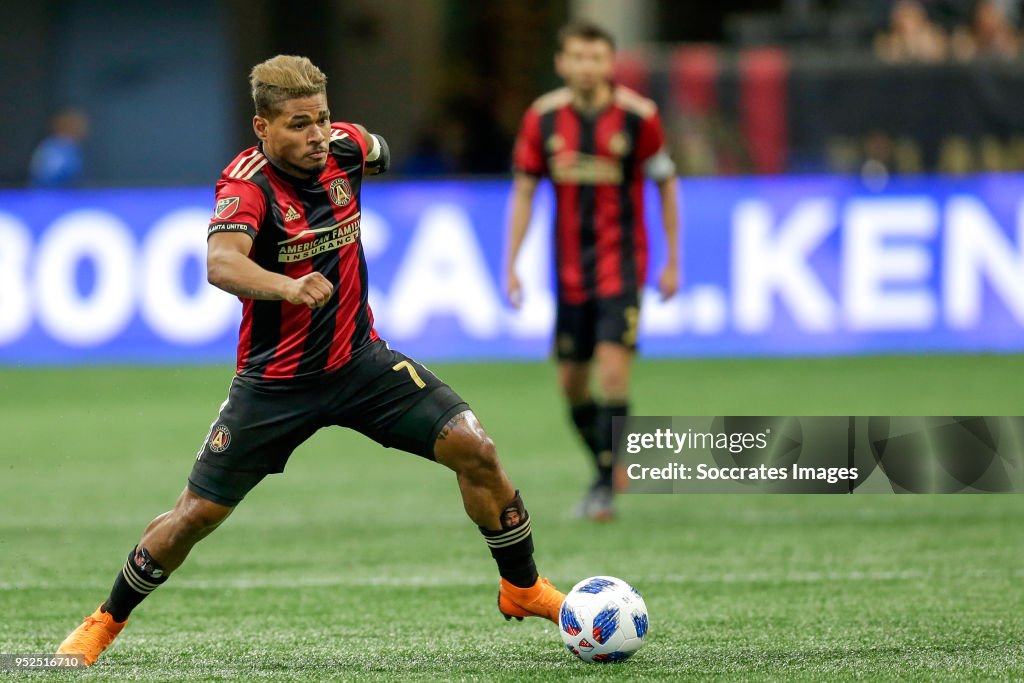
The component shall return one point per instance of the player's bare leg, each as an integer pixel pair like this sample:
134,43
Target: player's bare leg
614,370
464,447
614,366
574,383
593,419
171,536
165,544
496,507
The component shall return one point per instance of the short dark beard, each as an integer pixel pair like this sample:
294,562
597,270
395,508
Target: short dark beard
293,170
587,99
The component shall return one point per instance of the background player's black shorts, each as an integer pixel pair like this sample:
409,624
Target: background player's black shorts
579,327
381,393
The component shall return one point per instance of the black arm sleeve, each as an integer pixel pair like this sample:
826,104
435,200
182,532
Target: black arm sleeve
383,160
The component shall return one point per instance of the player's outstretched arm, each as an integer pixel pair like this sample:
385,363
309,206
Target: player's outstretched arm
671,275
523,188
229,267
378,154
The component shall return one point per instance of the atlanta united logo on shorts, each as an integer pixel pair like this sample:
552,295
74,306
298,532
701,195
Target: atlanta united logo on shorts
340,191
220,439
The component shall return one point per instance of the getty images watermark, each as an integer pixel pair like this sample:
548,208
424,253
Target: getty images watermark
820,454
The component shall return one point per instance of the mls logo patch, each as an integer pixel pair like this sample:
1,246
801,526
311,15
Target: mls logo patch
226,208
220,439
340,191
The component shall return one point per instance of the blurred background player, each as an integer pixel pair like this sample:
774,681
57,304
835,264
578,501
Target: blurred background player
284,238
57,159
597,141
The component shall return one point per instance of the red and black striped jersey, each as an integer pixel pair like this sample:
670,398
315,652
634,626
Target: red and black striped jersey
300,226
596,163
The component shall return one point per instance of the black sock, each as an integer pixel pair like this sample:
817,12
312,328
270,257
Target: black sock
139,577
584,416
606,451
512,547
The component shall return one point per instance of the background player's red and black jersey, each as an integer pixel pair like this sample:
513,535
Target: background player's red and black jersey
595,162
299,226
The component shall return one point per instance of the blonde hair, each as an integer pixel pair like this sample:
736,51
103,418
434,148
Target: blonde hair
281,78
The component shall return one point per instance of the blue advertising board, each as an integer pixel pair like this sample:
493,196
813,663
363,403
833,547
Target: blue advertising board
772,266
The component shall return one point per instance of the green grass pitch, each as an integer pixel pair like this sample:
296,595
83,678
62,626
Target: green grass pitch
359,564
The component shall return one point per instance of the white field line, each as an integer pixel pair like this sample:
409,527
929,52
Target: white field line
342,581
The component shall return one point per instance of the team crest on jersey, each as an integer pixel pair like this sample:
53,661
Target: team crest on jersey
340,191
619,144
555,142
226,208
220,439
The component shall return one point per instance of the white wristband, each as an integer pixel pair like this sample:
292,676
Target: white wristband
374,150
660,166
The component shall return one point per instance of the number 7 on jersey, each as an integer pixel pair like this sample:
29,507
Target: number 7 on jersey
406,365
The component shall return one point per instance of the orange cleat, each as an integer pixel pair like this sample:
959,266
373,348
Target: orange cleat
92,637
539,600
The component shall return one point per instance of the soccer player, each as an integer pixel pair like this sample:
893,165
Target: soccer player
57,161
284,238
596,141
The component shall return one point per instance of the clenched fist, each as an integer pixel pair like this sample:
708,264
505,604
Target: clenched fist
313,290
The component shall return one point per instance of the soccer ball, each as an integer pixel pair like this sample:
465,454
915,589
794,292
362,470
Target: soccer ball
603,619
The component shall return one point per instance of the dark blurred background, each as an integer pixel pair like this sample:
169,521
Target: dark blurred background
159,88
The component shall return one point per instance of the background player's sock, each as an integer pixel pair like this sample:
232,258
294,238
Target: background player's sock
512,546
139,577
584,416
606,452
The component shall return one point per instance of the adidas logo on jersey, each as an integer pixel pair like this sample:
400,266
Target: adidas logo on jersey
291,215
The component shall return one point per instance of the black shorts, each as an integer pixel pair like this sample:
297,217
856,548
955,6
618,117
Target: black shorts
580,327
380,393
